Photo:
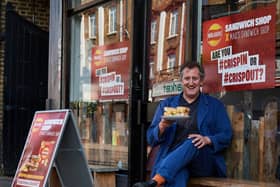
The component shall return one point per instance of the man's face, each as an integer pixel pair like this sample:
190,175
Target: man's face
191,82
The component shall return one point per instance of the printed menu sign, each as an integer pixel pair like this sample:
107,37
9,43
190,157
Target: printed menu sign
239,51
110,71
40,148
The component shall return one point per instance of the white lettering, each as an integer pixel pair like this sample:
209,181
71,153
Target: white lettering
240,25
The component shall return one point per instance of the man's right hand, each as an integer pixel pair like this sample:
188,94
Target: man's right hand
163,124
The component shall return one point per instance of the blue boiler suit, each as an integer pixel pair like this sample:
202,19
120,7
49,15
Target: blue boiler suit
178,164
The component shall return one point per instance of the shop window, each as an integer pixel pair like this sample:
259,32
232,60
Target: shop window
92,26
112,19
173,23
252,103
169,51
99,85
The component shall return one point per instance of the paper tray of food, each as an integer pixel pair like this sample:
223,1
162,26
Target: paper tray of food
174,118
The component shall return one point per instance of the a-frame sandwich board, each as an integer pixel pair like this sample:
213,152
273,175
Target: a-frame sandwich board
53,141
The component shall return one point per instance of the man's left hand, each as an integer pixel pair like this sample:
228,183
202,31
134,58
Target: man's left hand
199,141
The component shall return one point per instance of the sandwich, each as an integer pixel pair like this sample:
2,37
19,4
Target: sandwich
176,111
169,111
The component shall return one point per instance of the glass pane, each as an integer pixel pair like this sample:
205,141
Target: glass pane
112,19
173,23
74,3
99,89
92,26
168,43
153,31
240,53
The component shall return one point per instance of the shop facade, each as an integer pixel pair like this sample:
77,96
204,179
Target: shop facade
111,62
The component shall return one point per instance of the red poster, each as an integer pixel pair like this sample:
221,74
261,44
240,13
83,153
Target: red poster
39,151
239,51
110,71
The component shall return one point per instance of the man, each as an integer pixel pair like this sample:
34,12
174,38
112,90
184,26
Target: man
193,147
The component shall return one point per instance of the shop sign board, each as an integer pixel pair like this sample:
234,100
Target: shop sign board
110,71
166,89
53,141
239,51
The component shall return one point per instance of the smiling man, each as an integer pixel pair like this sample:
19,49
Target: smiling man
191,147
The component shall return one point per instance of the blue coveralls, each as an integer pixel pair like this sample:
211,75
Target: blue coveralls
186,160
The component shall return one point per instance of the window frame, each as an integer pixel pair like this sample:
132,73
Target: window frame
112,20
173,25
151,70
171,62
92,27
153,31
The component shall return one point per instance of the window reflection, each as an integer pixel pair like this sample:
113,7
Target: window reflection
254,113
99,83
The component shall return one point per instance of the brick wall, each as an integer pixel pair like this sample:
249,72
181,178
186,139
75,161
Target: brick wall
35,11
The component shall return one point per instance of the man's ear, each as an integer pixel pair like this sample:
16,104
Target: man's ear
201,83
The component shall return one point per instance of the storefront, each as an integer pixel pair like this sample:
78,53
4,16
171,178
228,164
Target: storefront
246,79
112,61
91,72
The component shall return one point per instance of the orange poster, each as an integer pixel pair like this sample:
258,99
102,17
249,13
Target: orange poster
39,150
239,51
110,71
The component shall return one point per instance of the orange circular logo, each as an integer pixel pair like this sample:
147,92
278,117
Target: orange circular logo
214,34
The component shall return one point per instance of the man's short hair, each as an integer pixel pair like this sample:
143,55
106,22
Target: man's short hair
191,65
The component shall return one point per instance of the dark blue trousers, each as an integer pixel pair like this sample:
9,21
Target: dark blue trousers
184,161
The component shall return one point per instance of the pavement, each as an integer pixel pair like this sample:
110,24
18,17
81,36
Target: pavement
5,181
